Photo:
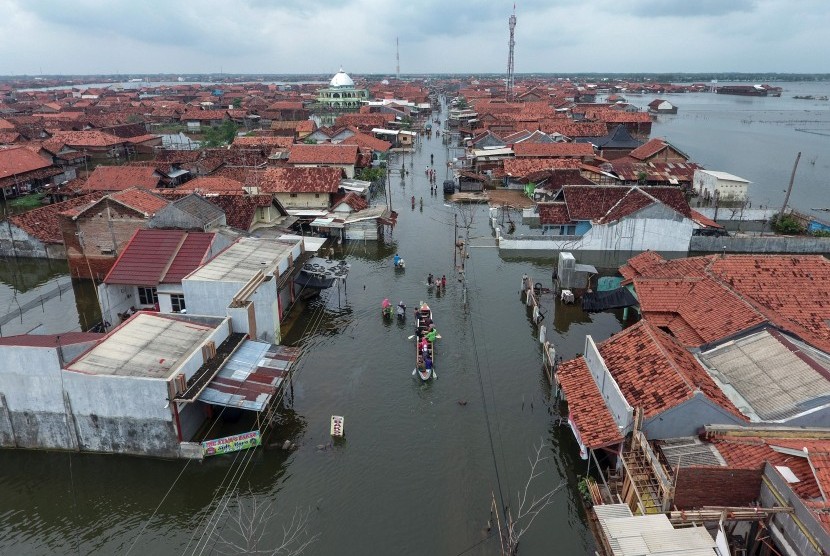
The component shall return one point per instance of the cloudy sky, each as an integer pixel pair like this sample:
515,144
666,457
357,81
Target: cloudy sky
470,36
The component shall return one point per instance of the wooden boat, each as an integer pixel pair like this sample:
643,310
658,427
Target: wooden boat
423,318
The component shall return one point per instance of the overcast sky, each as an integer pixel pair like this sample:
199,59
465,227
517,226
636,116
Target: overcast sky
469,36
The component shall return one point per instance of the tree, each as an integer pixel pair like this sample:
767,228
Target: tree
248,523
787,225
528,510
220,135
237,102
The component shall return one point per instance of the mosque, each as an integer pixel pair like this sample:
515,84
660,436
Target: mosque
341,93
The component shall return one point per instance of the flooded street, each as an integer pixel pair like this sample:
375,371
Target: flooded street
416,470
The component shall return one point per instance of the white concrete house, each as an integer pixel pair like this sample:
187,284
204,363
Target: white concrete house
727,186
611,218
145,388
244,283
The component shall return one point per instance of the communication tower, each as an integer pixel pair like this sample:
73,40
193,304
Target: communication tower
397,59
511,44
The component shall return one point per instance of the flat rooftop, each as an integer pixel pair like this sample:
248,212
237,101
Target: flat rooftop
148,345
242,260
770,376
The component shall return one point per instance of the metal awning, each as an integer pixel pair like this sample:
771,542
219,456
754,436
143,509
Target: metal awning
251,376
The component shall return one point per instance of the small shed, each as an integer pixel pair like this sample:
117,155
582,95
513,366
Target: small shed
471,181
660,106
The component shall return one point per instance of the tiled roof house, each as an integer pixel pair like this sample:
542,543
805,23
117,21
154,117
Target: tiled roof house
340,156
609,217
641,367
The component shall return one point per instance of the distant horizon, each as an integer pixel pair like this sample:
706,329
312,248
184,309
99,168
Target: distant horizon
611,74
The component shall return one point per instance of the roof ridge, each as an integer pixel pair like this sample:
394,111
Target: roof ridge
651,332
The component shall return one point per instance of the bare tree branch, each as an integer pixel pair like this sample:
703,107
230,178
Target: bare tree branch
527,513
248,524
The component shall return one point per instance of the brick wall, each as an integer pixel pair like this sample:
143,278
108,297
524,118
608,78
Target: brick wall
716,486
105,229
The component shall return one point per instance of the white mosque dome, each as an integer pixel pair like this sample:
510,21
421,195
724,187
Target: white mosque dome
341,80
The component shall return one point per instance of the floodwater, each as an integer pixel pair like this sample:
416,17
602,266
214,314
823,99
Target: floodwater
416,470
757,138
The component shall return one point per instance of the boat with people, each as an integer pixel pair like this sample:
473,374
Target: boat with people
425,336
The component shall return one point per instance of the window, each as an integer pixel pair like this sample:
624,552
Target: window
177,300
293,195
316,195
147,296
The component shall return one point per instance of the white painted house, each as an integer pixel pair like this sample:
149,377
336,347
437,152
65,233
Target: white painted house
728,187
611,218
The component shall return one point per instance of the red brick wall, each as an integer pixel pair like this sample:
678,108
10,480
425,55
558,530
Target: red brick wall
109,226
716,486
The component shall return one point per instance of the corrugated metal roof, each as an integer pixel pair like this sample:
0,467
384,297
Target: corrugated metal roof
771,374
650,535
242,260
156,256
251,377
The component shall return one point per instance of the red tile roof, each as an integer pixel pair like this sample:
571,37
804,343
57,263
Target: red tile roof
141,200
154,257
369,142
323,154
654,372
240,210
592,202
652,148
553,150
43,222
355,201
212,184
521,167
81,139
297,180
747,452
551,214
586,407
260,141
117,178
20,160
790,291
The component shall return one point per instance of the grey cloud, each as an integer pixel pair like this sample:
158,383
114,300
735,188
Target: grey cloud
688,8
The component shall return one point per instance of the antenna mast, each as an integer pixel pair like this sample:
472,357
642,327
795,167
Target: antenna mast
512,24
397,59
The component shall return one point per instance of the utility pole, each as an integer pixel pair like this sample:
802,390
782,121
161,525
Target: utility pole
790,188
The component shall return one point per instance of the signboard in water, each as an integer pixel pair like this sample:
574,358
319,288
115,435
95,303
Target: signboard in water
231,443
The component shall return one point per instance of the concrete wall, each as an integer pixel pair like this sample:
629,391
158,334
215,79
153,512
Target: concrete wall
33,415
696,487
267,311
687,418
14,242
211,298
760,244
304,200
116,298
121,414
656,228
776,492
615,401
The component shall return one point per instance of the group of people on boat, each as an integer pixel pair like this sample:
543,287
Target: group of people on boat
426,334
435,281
